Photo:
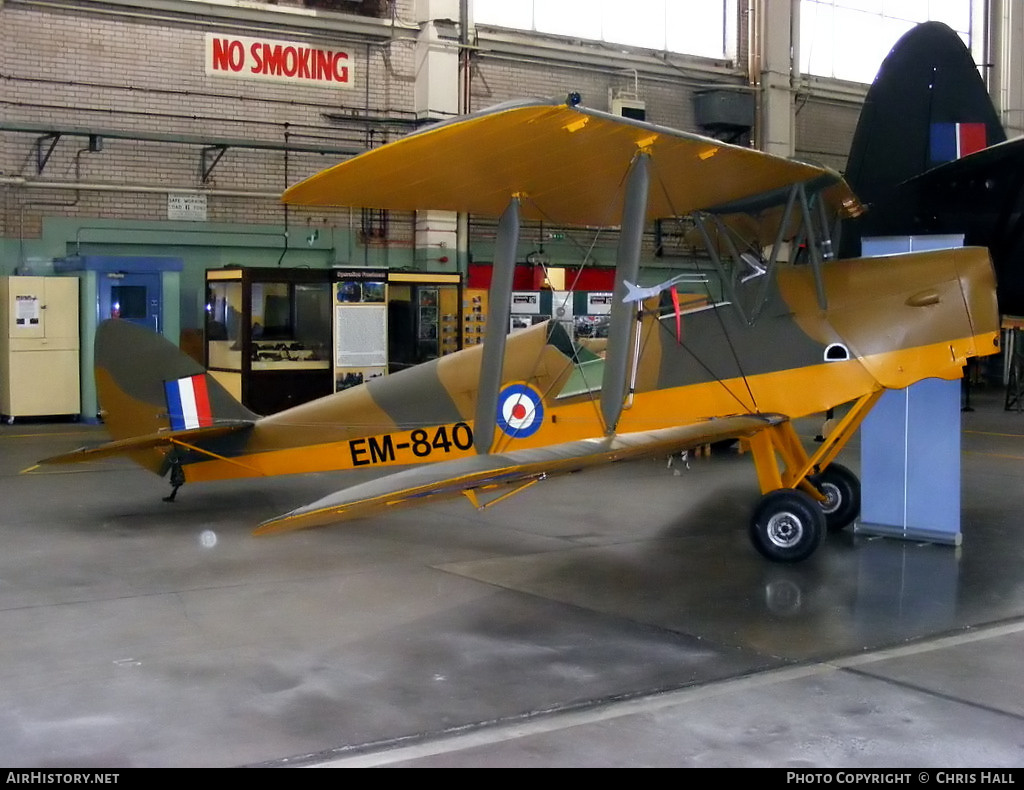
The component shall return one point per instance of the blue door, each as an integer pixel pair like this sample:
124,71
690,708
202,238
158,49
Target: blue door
132,296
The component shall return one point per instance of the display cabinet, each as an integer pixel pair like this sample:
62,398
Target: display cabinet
276,338
269,335
424,317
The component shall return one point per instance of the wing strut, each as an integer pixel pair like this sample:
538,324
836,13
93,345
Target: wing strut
782,439
780,238
471,495
627,265
498,309
813,250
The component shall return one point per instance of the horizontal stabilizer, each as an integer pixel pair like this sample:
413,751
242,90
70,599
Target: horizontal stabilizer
147,442
435,481
987,162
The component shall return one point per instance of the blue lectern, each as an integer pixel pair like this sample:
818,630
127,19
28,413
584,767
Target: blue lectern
910,464
910,443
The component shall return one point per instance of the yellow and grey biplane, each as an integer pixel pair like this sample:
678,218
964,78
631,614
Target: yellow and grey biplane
794,332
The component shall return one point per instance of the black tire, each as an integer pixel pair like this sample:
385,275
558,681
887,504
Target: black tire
842,496
787,525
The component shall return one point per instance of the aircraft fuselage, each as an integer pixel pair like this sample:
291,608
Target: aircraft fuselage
889,322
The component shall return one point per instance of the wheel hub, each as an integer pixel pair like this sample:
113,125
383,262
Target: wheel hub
833,499
785,529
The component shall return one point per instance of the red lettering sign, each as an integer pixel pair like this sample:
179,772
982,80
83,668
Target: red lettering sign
253,58
227,55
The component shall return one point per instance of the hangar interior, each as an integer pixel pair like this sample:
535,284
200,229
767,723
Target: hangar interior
144,148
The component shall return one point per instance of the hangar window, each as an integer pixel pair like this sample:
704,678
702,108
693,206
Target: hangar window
849,39
699,27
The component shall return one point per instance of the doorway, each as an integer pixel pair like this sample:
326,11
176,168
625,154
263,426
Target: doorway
131,296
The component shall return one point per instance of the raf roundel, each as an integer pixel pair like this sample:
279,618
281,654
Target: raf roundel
520,411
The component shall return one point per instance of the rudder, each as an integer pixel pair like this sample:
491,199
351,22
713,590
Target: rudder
137,371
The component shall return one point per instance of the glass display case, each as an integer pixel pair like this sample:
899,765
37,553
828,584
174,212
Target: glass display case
269,335
424,317
276,338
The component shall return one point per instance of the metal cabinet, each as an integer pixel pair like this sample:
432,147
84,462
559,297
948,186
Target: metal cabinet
39,347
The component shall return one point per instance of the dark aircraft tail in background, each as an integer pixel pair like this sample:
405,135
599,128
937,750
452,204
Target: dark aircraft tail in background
929,156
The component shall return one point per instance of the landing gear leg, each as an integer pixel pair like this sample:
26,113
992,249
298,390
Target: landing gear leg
807,495
177,479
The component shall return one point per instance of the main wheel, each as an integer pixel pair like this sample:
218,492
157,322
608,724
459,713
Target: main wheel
842,496
787,525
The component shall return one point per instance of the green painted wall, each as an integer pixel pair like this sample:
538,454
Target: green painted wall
200,246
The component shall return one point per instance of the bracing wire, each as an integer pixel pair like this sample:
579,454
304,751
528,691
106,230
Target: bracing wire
721,322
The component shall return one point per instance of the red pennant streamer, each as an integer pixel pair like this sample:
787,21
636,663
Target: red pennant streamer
679,320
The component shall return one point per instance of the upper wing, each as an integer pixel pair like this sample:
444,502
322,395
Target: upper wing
567,164
446,479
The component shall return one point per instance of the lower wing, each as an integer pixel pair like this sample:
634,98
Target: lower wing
485,472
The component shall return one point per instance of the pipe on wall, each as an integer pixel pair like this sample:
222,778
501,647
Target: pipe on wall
21,182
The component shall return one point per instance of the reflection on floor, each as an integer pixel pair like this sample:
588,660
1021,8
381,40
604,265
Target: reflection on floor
614,618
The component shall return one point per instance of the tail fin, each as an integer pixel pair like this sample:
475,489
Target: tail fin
146,384
927,106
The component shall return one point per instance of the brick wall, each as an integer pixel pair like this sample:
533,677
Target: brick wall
139,74
74,69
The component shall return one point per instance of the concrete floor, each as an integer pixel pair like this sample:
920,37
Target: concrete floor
616,618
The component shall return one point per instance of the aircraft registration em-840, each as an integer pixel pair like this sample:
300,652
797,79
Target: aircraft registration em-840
787,338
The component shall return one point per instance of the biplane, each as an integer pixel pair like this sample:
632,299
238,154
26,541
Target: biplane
794,332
